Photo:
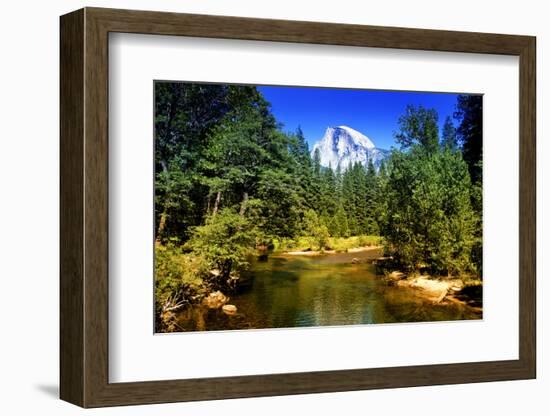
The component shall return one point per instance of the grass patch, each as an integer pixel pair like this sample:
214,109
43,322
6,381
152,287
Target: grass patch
338,244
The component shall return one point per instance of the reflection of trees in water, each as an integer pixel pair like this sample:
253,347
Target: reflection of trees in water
318,291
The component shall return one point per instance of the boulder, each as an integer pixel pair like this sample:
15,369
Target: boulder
229,309
215,300
395,276
263,257
355,260
434,289
382,264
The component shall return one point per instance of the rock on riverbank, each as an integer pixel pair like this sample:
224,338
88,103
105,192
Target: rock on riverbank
434,289
215,300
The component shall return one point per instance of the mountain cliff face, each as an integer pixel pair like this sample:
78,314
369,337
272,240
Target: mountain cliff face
344,146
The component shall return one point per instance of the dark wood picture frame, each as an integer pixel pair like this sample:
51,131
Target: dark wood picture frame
84,207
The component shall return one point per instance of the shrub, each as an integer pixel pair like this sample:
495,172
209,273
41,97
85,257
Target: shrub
179,277
225,242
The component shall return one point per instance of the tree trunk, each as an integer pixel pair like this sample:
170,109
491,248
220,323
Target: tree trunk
164,214
217,203
243,204
226,269
162,225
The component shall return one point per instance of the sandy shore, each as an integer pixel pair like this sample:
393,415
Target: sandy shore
319,253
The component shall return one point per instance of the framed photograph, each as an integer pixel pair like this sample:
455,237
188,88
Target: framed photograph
256,207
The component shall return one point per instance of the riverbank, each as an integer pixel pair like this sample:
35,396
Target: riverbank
322,252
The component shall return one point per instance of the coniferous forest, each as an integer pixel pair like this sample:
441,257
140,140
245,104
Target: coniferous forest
244,209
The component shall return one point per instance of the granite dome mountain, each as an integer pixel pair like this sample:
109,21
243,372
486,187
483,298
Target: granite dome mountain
345,146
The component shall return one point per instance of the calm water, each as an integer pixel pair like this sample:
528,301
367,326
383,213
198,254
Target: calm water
297,291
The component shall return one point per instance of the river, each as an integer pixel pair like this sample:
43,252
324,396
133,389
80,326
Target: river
301,291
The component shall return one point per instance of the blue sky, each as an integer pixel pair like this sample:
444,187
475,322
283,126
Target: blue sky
371,112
